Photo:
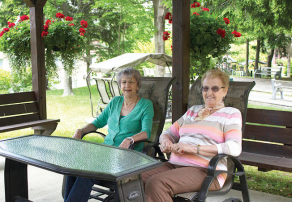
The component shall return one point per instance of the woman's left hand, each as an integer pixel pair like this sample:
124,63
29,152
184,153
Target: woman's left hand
181,148
125,144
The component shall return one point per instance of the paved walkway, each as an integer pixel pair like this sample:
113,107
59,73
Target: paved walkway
45,186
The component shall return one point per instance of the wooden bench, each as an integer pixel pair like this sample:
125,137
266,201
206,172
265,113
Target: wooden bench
269,147
19,111
269,71
279,86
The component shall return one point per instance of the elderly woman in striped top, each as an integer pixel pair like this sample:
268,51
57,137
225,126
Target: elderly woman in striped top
201,133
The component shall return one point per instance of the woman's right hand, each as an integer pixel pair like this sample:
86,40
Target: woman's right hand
166,146
77,134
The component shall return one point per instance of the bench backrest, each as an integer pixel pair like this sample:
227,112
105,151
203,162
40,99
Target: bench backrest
272,69
237,96
18,108
274,138
156,89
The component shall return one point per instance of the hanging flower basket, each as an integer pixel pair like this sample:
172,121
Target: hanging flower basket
63,38
210,36
15,42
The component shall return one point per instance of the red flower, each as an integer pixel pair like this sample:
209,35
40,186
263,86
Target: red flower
10,24
170,19
48,22
236,34
195,5
1,33
60,15
205,9
195,13
81,30
81,34
84,24
44,33
166,35
24,17
221,32
72,24
6,29
68,18
46,27
227,21
167,15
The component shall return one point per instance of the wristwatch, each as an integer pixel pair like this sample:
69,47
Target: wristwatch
198,149
130,139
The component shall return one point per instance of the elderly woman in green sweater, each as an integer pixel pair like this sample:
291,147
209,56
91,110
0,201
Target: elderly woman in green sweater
129,119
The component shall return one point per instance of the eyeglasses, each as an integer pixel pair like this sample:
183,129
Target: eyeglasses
129,82
214,89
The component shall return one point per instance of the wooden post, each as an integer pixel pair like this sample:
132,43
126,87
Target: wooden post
38,53
180,56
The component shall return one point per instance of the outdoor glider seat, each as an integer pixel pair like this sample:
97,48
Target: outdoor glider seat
104,95
156,89
236,97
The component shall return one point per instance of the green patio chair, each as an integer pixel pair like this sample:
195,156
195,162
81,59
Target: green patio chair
236,97
156,89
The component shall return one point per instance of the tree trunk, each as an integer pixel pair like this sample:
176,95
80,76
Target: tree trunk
288,64
270,57
88,56
247,57
289,58
159,23
67,84
124,38
67,76
256,66
119,34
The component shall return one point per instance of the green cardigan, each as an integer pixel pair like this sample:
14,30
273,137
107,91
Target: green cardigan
138,120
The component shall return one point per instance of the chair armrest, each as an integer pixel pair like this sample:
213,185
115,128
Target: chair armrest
132,146
213,173
103,135
151,145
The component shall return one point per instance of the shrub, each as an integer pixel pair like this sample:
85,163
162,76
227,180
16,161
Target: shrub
21,81
5,81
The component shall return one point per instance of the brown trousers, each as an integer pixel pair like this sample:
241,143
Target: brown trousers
162,183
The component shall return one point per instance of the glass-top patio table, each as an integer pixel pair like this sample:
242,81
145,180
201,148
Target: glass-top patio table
74,157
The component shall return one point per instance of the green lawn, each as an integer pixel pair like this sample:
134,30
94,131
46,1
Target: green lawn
74,110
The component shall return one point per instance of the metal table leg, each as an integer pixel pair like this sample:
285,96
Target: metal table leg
15,177
131,189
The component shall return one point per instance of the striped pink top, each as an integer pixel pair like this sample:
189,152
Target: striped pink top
222,128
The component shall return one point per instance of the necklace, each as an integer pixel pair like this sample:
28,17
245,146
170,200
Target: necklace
205,112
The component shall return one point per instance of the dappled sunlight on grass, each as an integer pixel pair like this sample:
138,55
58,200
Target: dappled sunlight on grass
273,182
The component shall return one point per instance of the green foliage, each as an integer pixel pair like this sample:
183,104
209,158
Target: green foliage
15,81
205,42
121,24
16,44
21,81
5,81
238,52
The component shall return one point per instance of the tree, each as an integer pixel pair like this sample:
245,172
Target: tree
159,23
264,20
